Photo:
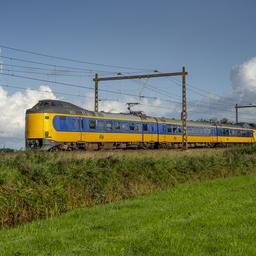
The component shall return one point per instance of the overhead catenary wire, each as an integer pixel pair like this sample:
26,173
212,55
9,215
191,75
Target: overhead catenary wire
75,85
165,93
104,90
200,91
55,65
43,91
192,88
72,60
81,96
216,106
75,68
48,69
45,74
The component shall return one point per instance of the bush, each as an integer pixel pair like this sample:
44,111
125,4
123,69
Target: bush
37,185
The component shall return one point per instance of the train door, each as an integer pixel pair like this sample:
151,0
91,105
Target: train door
151,131
253,132
157,139
215,134
47,126
162,130
83,129
144,132
80,124
76,129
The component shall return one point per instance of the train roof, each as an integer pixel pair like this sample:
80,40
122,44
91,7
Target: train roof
63,107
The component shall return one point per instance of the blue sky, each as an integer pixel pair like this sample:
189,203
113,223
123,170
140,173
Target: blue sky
208,37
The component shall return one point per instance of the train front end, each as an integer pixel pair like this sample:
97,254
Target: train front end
37,126
43,129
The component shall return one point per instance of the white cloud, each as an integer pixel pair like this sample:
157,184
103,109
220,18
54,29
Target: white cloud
242,91
243,78
154,107
13,107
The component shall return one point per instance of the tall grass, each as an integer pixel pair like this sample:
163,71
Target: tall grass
37,185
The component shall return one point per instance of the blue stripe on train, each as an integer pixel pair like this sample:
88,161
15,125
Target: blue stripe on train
78,124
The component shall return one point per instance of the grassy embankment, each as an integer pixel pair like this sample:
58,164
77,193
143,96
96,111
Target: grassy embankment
36,185
204,218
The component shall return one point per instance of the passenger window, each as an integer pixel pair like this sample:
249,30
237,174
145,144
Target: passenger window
132,126
73,124
117,125
92,124
169,129
174,129
79,123
109,125
101,125
124,126
63,124
145,127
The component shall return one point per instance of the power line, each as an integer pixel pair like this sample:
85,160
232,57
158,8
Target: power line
46,74
111,91
68,94
45,91
54,65
77,95
201,91
164,93
72,60
47,69
75,85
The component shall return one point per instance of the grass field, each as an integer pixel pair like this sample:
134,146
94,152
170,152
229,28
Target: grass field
208,218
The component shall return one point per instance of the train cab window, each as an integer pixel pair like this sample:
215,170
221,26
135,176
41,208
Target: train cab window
117,126
145,127
92,124
101,124
109,125
45,104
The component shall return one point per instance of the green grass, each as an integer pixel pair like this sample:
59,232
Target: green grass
36,185
208,218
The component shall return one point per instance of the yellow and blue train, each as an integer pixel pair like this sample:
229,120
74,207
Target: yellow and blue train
54,124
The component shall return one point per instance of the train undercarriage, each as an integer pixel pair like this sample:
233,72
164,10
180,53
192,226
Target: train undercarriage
49,145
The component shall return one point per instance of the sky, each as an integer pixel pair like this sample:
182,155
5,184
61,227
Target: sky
214,40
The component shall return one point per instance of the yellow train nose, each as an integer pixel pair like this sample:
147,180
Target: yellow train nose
35,126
